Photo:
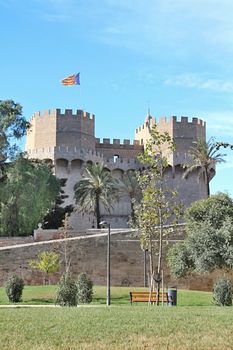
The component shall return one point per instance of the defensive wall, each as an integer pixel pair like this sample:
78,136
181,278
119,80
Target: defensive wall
88,254
116,149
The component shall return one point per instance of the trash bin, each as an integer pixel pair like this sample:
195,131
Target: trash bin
172,296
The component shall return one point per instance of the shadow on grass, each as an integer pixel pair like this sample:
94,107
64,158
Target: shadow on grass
38,301
117,300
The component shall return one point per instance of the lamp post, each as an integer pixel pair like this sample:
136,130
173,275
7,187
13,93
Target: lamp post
108,300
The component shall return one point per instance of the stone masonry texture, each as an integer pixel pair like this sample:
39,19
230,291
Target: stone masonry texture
88,254
67,140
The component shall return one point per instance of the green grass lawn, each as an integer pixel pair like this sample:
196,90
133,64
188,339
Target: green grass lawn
196,323
117,327
119,296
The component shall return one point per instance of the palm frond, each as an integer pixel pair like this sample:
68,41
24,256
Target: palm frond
203,157
98,184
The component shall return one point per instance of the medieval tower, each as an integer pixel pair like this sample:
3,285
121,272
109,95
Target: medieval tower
68,141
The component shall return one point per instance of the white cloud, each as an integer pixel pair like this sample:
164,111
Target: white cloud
161,23
197,81
148,26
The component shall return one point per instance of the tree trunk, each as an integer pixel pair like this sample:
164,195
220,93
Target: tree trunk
208,184
159,267
14,220
152,270
207,181
66,258
151,287
97,210
132,212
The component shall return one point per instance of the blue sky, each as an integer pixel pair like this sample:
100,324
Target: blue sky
175,57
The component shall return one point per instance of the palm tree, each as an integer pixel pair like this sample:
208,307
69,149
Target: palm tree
204,157
130,187
97,187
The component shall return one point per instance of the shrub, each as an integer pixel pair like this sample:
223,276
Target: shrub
14,288
67,292
223,292
85,289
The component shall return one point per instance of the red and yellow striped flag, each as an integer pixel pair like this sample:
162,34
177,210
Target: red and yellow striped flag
71,80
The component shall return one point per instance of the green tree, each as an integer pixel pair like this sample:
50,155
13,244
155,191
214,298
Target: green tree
209,241
47,262
158,207
215,209
98,187
12,127
203,158
55,217
131,188
28,191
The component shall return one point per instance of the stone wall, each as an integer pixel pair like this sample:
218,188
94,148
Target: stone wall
123,150
89,255
8,241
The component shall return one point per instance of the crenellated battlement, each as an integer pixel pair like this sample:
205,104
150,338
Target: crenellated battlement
117,142
45,113
148,124
181,121
169,122
67,113
177,128
56,127
78,113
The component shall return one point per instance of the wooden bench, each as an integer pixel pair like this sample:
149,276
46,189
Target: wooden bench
138,297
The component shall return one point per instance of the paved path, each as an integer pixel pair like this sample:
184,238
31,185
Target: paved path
14,306
21,306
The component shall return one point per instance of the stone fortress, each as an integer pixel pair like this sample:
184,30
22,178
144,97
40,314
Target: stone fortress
68,141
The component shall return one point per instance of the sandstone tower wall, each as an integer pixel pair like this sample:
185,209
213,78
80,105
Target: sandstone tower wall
43,131
52,128
76,129
184,133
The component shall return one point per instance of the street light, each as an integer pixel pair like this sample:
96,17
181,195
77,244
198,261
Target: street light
106,224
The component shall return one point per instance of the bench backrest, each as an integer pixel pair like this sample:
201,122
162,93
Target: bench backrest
147,296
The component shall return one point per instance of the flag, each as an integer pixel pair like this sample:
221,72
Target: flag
71,80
